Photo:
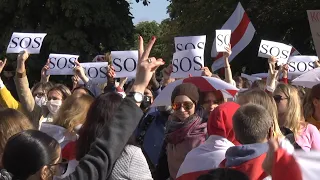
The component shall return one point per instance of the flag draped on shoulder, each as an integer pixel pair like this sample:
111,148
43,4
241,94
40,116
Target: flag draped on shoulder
242,34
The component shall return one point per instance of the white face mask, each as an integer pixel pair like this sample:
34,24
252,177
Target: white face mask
54,105
40,101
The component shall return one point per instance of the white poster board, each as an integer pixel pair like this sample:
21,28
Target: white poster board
314,21
222,40
62,64
301,64
187,63
190,42
124,63
96,71
30,42
279,50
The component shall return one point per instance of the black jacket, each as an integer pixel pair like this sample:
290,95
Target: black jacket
104,152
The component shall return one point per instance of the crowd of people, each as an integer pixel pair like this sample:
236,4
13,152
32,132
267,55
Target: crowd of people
50,131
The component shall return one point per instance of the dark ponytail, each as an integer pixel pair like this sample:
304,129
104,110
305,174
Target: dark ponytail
27,152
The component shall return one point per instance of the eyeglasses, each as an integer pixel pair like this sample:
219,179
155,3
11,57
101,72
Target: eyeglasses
187,105
212,102
62,167
278,98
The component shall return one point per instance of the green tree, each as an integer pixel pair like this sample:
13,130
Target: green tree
283,21
79,27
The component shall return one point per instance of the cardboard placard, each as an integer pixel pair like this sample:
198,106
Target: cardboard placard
301,64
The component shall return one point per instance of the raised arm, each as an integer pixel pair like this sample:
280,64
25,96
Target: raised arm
98,163
227,68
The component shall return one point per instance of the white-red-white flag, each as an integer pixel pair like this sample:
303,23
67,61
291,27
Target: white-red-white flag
294,52
242,34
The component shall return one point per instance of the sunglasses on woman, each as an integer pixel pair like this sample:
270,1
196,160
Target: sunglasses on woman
187,105
62,167
278,98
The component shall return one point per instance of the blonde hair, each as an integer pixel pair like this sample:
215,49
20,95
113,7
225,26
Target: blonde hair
73,111
308,108
293,117
11,123
260,97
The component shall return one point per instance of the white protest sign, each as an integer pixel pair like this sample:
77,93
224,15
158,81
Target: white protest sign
301,64
99,58
96,71
62,64
278,50
222,40
31,42
314,21
187,63
190,42
251,79
124,63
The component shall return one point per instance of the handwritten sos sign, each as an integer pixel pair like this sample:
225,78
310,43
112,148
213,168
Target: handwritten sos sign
186,63
222,40
278,50
62,64
125,63
31,42
96,71
301,64
189,42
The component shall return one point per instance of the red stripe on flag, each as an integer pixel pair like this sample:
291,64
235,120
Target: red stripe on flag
238,33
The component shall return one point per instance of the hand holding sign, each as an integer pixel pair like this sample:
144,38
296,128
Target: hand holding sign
277,50
206,72
2,64
62,64
222,40
111,72
21,59
30,42
186,63
125,63
190,42
44,75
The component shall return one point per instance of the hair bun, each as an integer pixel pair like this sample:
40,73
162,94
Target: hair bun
5,175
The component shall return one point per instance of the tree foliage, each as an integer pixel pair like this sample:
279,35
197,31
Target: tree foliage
283,21
79,27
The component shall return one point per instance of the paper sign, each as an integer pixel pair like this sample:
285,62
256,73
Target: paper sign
31,42
97,71
124,63
99,58
190,42
251,79
301,64
187,63
222,40
314,21
278,50
62,64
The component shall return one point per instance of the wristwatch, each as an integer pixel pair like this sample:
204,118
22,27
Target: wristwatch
138,97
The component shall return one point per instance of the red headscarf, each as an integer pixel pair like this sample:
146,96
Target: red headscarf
220,121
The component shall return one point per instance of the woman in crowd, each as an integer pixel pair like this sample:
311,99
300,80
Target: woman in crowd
55,96
311,106
184,129
132,164
31,154
11,122
209,101
290,116
69,119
